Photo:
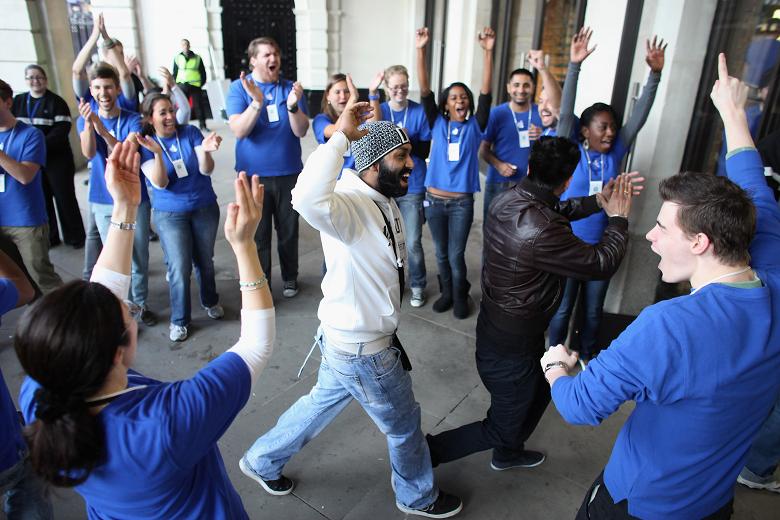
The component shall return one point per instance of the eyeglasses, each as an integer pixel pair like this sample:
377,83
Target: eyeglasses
35,78
399,88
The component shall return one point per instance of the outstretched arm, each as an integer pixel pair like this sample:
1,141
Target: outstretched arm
426,96
487,40
579,51
547,81
79,68
655,59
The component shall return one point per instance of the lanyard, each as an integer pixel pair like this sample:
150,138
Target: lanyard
399,263
590,174
32,111
745,270
514,118
406,111
165,150
6,145
455,132
118,123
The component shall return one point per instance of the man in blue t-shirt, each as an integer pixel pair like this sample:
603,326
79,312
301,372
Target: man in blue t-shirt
16,475
507,141
268,115
23,216
702,368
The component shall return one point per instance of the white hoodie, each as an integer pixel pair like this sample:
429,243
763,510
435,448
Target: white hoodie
361,295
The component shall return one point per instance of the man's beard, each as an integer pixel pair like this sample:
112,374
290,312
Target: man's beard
390,181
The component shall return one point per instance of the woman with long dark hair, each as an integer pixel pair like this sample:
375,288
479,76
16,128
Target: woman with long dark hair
176,160
453,172
134,447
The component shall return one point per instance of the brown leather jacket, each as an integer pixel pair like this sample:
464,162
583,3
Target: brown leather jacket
530,249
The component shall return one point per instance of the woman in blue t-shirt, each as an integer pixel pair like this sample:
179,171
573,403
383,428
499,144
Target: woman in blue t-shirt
453,172
134,447
404,113
176,161
602,150
334,100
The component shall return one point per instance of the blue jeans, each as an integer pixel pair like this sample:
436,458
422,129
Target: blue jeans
384,390
24,493
491,190
450,222
139,284
411,207
593,299
188,237
764,455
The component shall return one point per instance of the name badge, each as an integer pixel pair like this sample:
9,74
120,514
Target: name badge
453,152
2,183
595,187
273,113
180,167
525,141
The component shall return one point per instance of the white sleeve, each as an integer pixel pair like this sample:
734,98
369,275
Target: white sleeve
117,283
256,344
182,105
146,169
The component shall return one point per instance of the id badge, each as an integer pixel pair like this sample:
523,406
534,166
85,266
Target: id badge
453,152
2,183
525,141
595,187
273,113
180,167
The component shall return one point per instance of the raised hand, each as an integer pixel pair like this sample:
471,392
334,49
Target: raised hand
167,77
85,109
122,178
728,94
536,59
245,213
620,193
295,94
655,53
211,142
379,77
255,92
579,45
148,142
354,115
487,38
421,37
133,64
101,25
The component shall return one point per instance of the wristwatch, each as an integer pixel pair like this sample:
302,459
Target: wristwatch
256,105
294,108
125,226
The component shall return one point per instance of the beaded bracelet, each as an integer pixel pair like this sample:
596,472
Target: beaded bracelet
253,286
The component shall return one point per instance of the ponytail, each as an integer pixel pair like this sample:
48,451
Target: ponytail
67,342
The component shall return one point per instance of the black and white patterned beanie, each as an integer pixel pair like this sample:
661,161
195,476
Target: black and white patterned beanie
383,137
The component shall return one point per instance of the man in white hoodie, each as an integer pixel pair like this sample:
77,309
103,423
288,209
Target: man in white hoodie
362,359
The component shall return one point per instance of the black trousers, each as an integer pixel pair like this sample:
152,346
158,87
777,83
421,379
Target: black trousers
201,110
599,505
279,214
58,188
519,395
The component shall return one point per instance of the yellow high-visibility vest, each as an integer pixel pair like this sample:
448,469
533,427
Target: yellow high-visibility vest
188,70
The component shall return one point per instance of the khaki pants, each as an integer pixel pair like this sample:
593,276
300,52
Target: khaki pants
33,245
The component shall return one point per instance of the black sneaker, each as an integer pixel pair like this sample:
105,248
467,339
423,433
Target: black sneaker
279,487
528,459
444,507
148,318
290,288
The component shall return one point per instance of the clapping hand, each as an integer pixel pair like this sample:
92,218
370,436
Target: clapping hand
85,109
245,213
295,95
122,178
211,142
636,186
616,197
255,92
149,143
579,45
167,77
655,54
355,114
379,77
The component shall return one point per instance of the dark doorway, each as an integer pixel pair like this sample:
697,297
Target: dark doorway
245,20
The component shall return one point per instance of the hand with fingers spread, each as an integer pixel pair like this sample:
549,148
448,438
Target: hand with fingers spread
243,215
636,186
422,35
579,45
211,142
255,92
487,38
122,178
621,193
728,94
536,59
148,142
355,114
295,95
379,77
655,53
167,78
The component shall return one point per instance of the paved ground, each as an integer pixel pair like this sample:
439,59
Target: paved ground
344,473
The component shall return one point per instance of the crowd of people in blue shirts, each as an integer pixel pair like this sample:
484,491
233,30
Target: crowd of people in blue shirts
88,414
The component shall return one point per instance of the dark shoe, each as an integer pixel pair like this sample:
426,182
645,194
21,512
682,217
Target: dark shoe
147,317
54,242
278,487
444,507
290,289
461,301
153,237
76,245
528,459
444,302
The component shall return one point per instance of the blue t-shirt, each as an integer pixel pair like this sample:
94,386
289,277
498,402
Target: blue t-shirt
597,167
23,204
270,149
186,193
503,130
121,101
552,131
120,127
702,370
318,124
461,176
11,441
414,120
161,455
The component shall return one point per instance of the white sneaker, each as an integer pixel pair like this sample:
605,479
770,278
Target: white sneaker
215,312
178,332
418,297
772,485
